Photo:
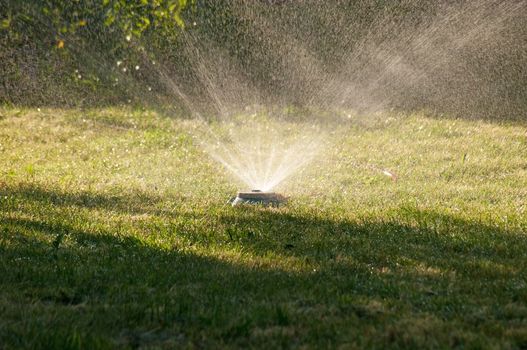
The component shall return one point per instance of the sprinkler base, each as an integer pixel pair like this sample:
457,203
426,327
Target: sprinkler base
257,197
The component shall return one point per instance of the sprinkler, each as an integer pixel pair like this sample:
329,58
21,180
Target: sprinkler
258,197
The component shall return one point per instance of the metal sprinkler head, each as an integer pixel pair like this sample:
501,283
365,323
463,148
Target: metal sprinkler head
259,198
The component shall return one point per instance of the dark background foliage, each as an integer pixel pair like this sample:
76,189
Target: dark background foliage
461,58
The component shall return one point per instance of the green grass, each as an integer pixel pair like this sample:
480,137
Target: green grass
115,232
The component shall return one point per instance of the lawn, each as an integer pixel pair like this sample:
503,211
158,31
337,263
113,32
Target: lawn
115,231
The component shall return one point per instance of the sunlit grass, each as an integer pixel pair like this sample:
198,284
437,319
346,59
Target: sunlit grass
115,230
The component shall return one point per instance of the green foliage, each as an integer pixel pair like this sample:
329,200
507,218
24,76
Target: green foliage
137,17
67,17
47,45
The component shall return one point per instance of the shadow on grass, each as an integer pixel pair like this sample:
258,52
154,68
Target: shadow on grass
136,203
423,280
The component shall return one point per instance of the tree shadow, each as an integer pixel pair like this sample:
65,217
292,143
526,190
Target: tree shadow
264,278
129,203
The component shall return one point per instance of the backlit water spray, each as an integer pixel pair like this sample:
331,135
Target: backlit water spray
260,146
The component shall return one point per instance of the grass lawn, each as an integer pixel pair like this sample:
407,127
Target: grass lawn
115,231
